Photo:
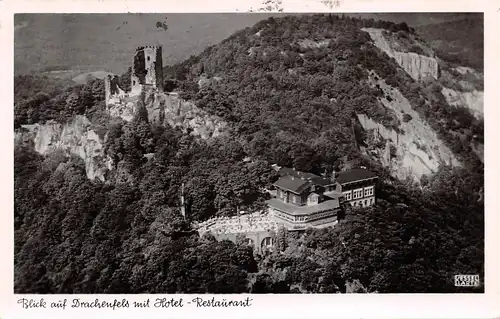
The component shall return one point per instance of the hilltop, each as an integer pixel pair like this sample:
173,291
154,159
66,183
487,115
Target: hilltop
295,85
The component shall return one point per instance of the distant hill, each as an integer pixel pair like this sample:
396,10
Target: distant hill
105,42
460,42
94,42
417,19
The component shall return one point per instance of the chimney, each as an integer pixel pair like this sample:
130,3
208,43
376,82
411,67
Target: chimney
334,173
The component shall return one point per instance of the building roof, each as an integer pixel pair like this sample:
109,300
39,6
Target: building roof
354,175
298,183
332,195
315,179
303,210
283,171
293,184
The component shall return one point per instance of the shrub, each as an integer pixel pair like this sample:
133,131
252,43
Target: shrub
416,49
407,118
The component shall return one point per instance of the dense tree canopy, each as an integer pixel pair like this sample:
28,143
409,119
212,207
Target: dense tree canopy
295,79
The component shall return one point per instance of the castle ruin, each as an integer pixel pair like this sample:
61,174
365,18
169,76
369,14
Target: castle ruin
147,74
164,108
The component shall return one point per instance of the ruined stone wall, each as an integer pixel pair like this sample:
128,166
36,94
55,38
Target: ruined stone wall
111,86
158,64
147,69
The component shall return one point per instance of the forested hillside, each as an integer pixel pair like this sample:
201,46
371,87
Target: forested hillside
310,73
289,89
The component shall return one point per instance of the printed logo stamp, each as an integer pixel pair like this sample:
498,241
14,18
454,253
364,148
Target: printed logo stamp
466,280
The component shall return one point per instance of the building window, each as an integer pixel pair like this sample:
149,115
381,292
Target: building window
347,195
267,242
249,242
358,193
148,58
294,200
369,191
366,202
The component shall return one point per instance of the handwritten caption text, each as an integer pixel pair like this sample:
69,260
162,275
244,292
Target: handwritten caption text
114,304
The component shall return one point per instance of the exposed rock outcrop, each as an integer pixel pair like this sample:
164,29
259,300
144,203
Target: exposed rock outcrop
75,137
416,65
123,107
418,149
473,100
78,138
465,69
170,109
311,44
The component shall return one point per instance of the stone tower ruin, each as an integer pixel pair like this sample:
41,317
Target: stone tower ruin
147,74
147,69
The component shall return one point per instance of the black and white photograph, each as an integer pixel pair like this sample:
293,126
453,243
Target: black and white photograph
249,153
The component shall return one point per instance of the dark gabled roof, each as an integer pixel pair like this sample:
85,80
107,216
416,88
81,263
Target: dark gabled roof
322,181
293,184
353,175
315,179
290,171
332,195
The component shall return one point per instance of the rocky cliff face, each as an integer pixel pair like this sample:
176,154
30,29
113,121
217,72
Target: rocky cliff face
169,109
123,107
418,149
76,138
416,65
473,100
